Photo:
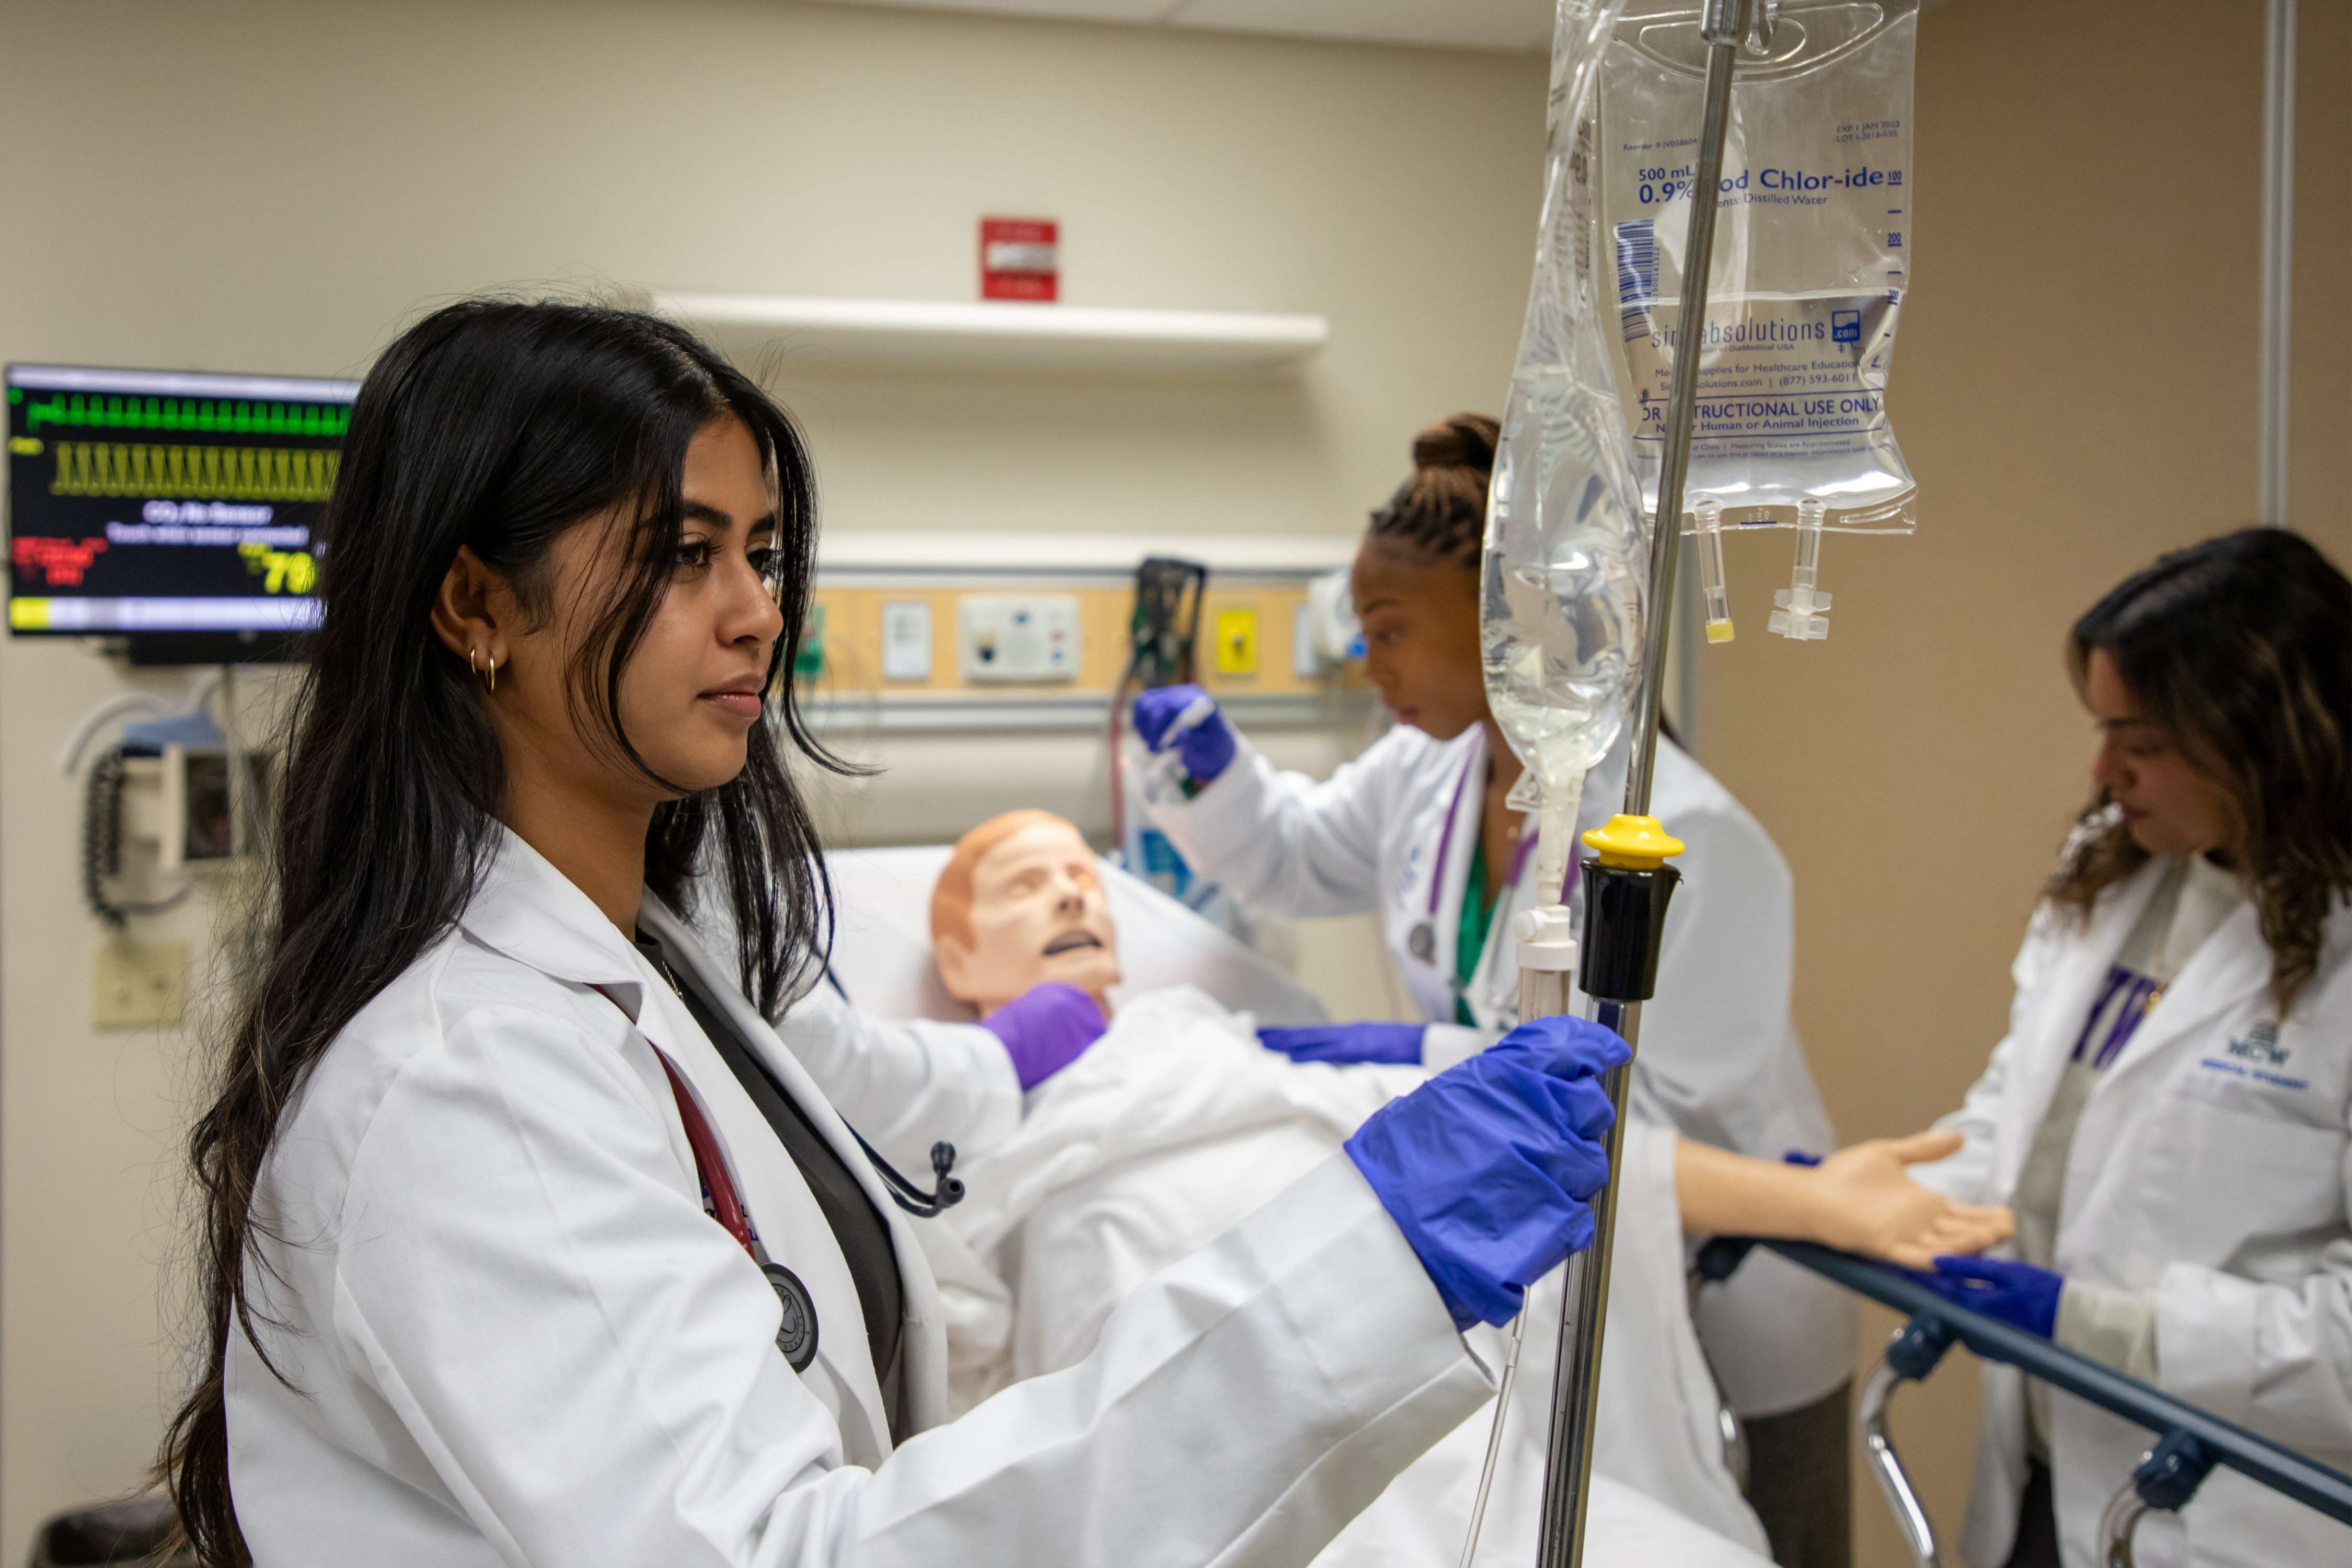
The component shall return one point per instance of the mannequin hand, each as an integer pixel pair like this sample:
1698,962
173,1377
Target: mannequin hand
1186,718
1864,1203
1341,1044
2017,1294
1489,1168
1045,1028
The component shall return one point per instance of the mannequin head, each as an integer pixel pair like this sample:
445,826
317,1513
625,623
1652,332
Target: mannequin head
1021,902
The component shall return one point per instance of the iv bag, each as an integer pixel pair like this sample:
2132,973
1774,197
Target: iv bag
1566,559
1811,260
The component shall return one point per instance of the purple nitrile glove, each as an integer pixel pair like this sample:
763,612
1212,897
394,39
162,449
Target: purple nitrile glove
1396,1044
1186,718
1490,1167
1045,1028
2017,1294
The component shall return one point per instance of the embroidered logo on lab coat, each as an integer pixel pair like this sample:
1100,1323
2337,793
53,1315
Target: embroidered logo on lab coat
2260,1045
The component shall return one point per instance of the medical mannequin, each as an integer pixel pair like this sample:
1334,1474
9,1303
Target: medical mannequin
525,1241
1020,906
2169,1110
1418,831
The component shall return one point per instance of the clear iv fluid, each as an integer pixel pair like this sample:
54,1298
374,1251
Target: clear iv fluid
1565,561
1559,621
1815,240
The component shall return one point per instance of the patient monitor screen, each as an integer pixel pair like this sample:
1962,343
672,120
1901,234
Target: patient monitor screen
148,502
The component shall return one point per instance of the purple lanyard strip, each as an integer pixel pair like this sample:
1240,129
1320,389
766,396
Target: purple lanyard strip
1445,843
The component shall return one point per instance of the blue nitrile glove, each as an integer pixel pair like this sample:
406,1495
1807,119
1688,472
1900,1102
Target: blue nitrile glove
1398,1044
1045,1028
1799,1157
1186,718
2017,1294
1489,1168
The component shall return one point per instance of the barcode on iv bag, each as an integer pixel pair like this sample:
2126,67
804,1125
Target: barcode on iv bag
1637,260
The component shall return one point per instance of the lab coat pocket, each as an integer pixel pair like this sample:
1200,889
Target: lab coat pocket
2243,1167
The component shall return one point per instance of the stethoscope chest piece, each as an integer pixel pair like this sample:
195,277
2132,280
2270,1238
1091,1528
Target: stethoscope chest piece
796,1332
1422,942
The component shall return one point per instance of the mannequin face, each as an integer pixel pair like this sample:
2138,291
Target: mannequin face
1038,913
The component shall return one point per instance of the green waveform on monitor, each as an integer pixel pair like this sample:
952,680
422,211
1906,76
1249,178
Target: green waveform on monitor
198,473
216,415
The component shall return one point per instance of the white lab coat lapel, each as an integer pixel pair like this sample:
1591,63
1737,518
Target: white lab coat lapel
2074,988
924,1341
526,909
2232,967
1451,824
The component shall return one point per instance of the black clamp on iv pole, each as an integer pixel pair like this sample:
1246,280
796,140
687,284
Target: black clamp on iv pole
1628,886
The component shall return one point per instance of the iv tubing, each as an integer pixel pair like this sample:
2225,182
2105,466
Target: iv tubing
1576,1388
1495,1437
1554,844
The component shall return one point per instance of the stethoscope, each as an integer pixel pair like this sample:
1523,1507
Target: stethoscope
797,1328
1421,939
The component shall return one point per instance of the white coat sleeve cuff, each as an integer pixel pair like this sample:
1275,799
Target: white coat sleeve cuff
1443,1044
2115,1328
1227,810
995,1108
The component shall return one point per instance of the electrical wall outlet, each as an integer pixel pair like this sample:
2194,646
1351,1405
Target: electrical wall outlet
140,983
1017,637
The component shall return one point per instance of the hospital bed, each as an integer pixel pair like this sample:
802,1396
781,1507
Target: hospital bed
1667,1493
2188,1442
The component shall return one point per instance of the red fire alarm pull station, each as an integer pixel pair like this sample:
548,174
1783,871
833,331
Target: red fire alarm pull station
1017,258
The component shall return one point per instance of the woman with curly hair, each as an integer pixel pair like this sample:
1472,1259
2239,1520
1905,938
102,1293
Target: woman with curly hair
2168,1113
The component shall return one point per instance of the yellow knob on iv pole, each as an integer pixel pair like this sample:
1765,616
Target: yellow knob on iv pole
1633,843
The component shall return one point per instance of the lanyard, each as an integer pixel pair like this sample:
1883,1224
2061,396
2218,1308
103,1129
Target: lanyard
796,1326
1445,843
709,1164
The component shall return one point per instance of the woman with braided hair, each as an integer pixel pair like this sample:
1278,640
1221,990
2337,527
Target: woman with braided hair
1420,828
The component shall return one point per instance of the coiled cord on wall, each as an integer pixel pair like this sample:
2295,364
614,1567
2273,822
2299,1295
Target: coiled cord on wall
102,843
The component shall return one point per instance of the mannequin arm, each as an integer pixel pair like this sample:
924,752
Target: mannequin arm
1859,1199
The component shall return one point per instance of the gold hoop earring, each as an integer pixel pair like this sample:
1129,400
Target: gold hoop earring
494,675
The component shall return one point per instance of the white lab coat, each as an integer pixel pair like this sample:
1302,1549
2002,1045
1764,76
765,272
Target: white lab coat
1719,1056
2209,1167
514,1337
905,1084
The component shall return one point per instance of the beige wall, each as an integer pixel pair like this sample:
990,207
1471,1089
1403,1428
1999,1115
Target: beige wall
2075,392
277,186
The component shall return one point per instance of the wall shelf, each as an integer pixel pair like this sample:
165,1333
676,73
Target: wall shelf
1003,334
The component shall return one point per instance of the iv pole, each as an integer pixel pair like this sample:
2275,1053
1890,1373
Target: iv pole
1630,875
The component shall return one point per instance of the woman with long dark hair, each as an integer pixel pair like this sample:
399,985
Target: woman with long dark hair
2168,1113
524,1238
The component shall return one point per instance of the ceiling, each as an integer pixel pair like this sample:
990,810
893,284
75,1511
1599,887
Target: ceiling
1515,26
